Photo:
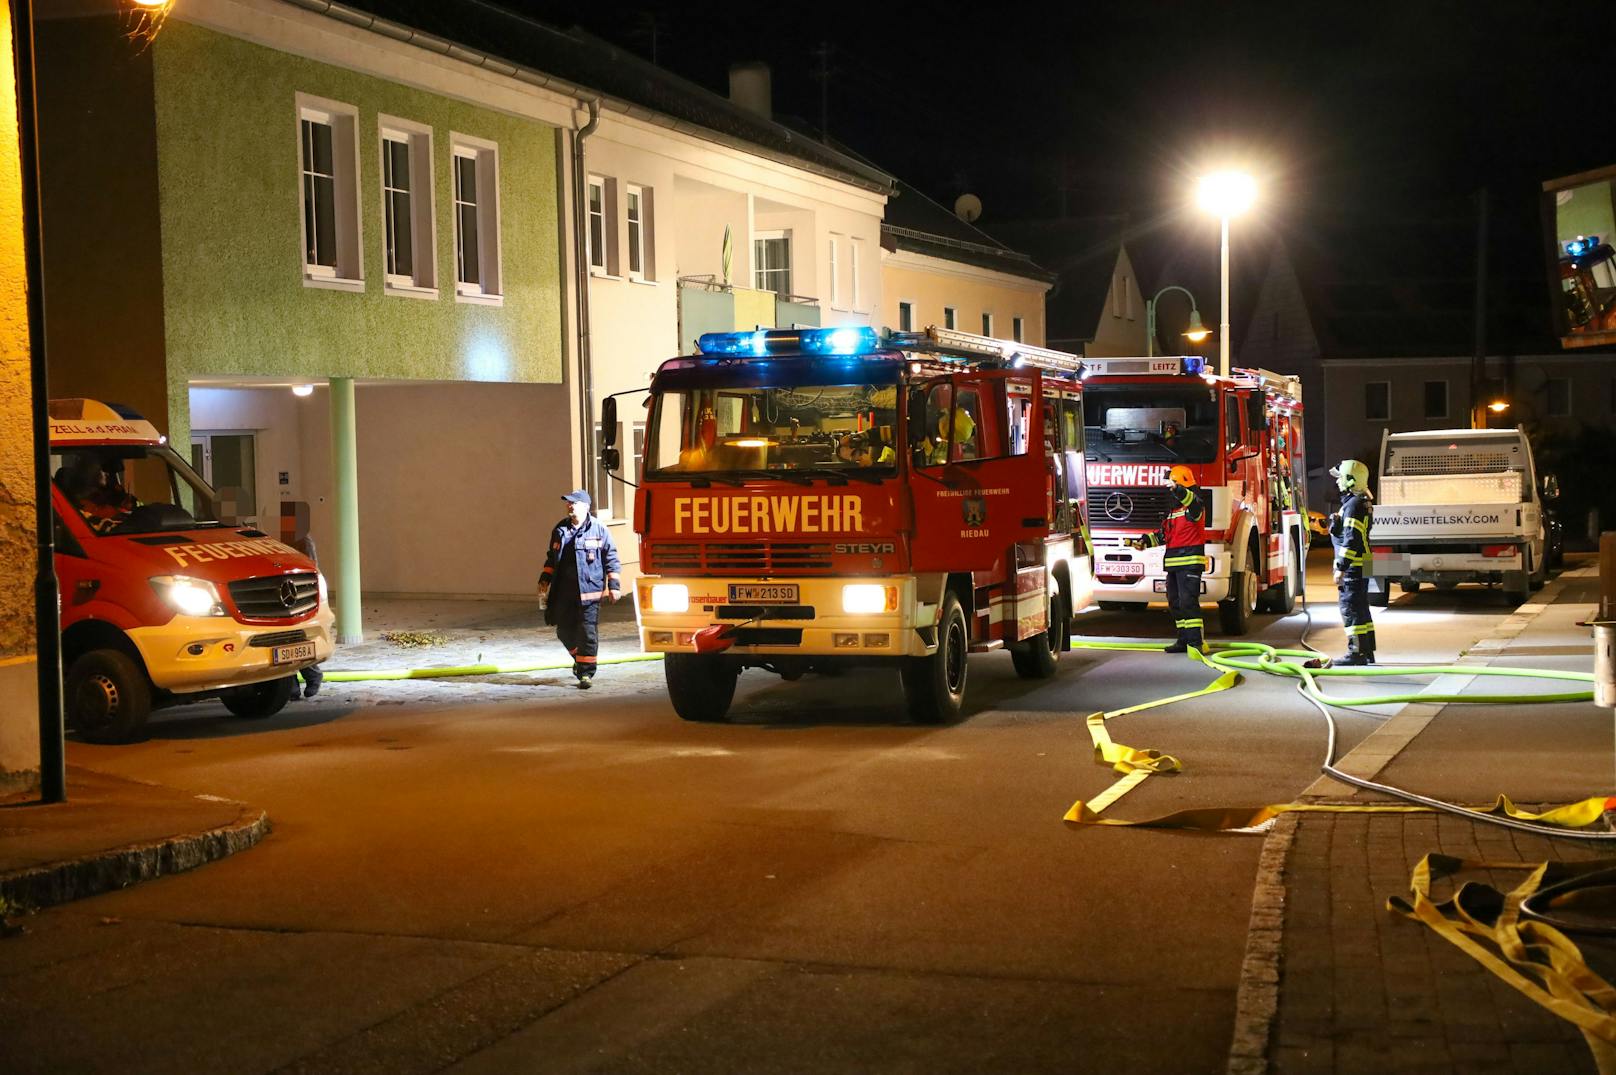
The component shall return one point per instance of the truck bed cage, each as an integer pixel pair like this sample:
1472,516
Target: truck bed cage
946,343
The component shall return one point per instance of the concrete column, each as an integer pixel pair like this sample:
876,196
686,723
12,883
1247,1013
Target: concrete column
345,490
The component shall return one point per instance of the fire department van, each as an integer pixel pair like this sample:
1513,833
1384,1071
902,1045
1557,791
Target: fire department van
1241,436
823,497
161,602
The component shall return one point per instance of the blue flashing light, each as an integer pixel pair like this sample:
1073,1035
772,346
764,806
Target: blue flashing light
855,340
1194,364
1581,245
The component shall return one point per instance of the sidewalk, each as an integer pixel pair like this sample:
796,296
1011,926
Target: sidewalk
112,832
1349,986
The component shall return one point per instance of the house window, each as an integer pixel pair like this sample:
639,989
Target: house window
639,453
637,203
987,324
603,257
906,317
1436,399
1559,397
855,251
328,156
476,213
409,247
771,259
950,317
1017,326
1378,401
835,276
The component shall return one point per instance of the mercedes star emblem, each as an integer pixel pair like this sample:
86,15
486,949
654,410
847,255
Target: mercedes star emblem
288,593
1118,506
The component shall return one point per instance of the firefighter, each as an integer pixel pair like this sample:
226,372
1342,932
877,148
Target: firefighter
1183,531
580,570
964,434
1349,534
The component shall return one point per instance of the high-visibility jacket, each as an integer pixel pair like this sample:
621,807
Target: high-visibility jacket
1349,533
1183,531
594,556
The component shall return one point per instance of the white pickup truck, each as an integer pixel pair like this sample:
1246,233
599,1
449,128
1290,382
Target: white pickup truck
1458,505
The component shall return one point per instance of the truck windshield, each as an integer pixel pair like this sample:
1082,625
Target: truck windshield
1159,423
133,489
796,430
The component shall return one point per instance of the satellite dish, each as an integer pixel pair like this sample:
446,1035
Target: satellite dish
968,207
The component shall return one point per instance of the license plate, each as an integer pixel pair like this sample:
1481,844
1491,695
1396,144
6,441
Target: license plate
758,594
1120,570
302,651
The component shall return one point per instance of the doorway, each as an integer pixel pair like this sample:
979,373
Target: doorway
228,460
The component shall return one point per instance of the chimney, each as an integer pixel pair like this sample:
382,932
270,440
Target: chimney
750,87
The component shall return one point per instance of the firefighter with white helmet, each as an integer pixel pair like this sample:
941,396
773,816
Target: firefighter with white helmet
1349,534
1183,531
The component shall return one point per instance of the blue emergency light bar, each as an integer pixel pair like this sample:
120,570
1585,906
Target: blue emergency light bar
846,340
1194,364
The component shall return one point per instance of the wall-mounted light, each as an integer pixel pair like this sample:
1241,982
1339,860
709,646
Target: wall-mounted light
1498,406
302,390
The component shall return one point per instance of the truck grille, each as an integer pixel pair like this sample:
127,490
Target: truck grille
1141,509
276,597
278,638
750,558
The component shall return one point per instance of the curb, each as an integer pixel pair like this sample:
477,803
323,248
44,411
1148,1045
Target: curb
1257,996
90,875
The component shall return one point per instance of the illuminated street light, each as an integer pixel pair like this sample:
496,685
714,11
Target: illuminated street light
1225,194
1195,333
1498,406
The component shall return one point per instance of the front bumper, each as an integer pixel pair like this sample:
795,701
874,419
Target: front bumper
816,626
190,654
1448,565
1152,584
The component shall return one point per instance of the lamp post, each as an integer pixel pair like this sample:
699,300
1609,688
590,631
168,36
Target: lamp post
1225,194
1195,332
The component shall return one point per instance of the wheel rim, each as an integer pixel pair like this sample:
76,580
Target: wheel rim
1249,586
954,659
97,701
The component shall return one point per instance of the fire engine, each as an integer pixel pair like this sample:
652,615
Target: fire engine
163,601
817,498
1242,437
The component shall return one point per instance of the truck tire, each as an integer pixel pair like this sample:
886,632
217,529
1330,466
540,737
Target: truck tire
259,700
700,686
1410,585
1235,611
1281,597
107,696
934,687
1038,656
1536,574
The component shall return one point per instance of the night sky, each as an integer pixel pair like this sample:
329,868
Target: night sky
1356,115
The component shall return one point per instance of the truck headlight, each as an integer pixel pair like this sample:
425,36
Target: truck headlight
188,596
670,597
325,591
863,597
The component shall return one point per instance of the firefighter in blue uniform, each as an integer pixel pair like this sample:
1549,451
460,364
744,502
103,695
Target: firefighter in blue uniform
1183,531
1349,534
580,570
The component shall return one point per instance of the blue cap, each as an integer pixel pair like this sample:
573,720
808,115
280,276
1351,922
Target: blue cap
577,496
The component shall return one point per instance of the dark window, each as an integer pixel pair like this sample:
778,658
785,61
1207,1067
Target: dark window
319,195
1436,399
469,258
396,205
1378,401
1231,422
906,317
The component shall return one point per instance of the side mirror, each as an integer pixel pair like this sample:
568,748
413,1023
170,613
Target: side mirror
608,420
1551,487
610,458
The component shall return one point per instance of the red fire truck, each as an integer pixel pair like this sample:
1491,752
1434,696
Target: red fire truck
817,498
1241,435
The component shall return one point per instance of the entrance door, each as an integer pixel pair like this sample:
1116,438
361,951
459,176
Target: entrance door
229,463
981,478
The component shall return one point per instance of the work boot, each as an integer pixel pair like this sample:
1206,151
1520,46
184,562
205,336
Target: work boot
1176,647
585,682
1353,658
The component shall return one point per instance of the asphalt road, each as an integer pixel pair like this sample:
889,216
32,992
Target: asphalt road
554,881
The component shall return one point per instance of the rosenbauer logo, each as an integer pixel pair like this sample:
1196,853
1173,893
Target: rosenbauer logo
832,513
1112,474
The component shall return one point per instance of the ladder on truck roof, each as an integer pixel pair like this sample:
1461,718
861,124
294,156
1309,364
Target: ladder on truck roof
1280,384
952,343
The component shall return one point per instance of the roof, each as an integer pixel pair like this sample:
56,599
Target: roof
918,224
1082,252
595,67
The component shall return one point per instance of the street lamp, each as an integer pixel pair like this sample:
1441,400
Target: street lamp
1195,332
1226,194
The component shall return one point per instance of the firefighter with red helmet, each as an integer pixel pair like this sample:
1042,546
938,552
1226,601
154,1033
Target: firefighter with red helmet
1183,531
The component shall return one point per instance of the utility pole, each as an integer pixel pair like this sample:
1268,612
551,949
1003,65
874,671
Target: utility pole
1478,358
822,73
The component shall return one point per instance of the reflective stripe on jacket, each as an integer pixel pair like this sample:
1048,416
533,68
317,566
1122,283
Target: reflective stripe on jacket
1349,533
1183,531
